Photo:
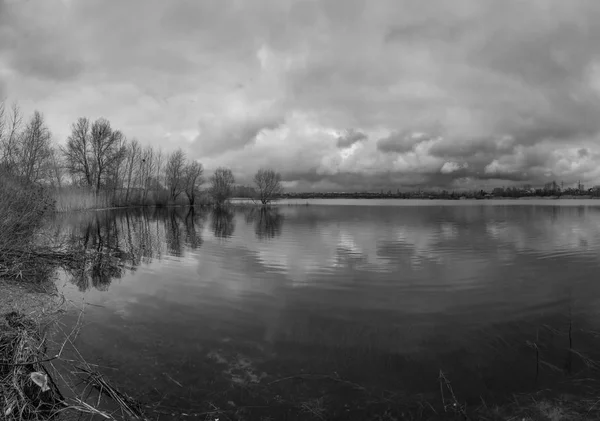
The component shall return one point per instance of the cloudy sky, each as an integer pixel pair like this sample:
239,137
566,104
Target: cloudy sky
335,94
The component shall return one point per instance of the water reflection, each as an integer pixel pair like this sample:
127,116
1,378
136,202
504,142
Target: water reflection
267,221
194,223
413,243
371,291
111,243
223,224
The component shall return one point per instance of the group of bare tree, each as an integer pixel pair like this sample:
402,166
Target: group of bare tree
101,159
268,186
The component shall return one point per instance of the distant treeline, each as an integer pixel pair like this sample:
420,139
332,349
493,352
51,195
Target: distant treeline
549,190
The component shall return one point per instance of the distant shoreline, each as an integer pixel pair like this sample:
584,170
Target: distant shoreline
565,197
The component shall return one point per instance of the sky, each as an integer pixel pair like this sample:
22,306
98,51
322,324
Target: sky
336,95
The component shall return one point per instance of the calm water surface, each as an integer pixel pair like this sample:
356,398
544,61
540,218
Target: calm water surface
381,293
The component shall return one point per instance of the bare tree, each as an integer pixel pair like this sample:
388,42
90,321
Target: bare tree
94,151
115,177
193,180
57,168
159,165
78,153
268,184
132,157
11,132
174,176
35,150
146,170
221,187
106,149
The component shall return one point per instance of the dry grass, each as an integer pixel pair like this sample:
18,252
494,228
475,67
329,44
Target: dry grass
77,199
22,353
36,368
26,316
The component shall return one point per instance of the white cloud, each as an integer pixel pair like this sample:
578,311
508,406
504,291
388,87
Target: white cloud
450,167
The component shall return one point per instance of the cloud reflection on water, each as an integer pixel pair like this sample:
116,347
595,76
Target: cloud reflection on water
404,259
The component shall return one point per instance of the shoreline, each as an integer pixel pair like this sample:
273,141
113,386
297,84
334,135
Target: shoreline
241,202
443,198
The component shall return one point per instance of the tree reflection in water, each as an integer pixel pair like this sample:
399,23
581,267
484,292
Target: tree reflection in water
223,224
267,221
194,222
111,243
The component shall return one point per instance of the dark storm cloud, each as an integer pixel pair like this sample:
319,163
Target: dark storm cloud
237,135
468,148
350,138
402,142
310,175
48,66
573,120
547,46
353,181
35,43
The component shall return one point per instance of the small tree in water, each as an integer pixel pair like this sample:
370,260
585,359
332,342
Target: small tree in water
268,183
221,186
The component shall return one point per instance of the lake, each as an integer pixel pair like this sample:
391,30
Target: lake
308,305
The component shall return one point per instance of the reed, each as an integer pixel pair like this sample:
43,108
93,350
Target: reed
77,199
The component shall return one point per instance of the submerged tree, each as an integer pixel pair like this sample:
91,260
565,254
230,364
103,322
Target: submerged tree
221,187
268,184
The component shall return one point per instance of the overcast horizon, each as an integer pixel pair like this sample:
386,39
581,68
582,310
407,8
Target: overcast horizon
337,95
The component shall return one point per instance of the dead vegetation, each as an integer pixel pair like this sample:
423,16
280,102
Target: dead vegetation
23,210
28,392
44,379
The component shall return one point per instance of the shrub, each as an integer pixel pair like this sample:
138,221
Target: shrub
23,208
